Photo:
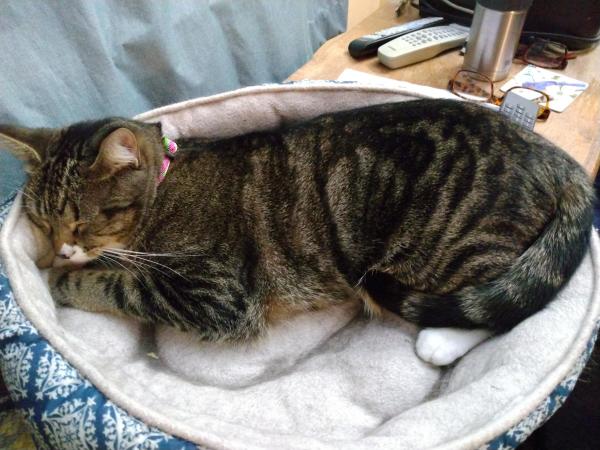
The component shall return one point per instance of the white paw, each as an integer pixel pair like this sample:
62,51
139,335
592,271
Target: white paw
443,346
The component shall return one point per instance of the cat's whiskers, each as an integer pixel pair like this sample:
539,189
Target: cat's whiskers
157,266
114,260
147,262
170,255
147,267
142,267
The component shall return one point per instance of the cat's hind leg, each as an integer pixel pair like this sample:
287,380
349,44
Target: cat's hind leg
440,345
383,290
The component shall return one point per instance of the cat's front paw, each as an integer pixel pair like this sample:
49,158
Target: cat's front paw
443,346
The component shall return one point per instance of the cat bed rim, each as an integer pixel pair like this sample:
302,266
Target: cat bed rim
405,88
482,436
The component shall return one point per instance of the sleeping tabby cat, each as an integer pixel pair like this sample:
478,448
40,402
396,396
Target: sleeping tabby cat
440,211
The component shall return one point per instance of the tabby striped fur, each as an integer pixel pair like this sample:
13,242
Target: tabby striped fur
440,211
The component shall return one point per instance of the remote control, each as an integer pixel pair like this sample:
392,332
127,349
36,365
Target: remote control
421,45
368,45
519,110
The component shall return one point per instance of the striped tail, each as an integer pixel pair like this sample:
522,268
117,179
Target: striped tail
529,284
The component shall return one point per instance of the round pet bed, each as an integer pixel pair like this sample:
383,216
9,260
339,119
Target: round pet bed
324,380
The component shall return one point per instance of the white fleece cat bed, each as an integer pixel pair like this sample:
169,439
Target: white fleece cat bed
324,380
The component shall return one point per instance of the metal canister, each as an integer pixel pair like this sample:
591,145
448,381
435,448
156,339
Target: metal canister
494,36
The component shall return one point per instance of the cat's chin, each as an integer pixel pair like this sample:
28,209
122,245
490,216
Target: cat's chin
67,263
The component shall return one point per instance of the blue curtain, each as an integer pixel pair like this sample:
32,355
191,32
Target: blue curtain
65,61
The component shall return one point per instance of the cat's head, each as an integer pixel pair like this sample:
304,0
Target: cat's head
89,184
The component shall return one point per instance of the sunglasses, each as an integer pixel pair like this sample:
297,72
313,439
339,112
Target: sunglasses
477,87
544,53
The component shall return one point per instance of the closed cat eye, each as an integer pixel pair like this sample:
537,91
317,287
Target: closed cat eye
79,227
475,86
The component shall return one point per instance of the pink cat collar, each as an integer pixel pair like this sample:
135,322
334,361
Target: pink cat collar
170,150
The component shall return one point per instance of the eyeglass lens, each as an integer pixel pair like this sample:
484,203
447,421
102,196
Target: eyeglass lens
546,54
472,86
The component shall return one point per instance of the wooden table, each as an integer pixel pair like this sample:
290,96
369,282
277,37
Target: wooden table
577,129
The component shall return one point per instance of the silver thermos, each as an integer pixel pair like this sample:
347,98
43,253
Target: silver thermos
494,36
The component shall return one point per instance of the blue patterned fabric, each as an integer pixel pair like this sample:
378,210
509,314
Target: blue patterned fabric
66,412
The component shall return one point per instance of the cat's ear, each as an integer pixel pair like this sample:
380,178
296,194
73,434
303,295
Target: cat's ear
119,150
27,144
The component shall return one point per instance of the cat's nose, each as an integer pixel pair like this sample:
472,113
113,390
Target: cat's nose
66,251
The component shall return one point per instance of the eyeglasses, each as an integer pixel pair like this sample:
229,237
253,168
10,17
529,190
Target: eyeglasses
477,87
543,53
